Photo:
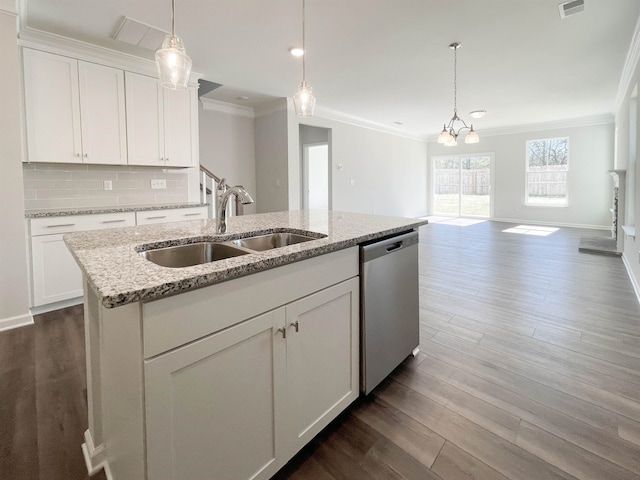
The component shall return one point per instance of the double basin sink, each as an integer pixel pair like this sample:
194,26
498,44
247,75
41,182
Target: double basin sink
179,256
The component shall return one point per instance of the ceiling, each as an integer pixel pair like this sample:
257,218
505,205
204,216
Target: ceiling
386,61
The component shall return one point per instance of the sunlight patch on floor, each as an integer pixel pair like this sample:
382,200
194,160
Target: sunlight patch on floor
461,222
532,230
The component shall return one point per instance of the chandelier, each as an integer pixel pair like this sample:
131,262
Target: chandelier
304,101
174,65
449,134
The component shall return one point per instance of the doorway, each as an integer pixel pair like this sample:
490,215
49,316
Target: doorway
315,144
461,185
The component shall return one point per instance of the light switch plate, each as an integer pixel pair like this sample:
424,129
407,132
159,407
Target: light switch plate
158,183
108,185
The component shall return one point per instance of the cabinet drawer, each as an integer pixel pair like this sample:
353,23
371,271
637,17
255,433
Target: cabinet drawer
78,223
171,215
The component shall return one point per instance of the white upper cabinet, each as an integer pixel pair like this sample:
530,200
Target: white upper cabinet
181,127
145,125
75,111
162,124
102,110
52,103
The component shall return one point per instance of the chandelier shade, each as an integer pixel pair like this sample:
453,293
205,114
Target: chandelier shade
174,65
304,101
450,131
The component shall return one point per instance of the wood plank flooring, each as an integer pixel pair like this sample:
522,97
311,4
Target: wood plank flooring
529,369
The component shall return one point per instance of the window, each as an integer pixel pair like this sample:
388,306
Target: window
547,168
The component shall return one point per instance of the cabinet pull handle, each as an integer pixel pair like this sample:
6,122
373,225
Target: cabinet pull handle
61,225
283,331
77,155
86,155
113,221
296,325
155,218
191,214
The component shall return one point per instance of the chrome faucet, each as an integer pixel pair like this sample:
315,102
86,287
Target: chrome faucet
223,194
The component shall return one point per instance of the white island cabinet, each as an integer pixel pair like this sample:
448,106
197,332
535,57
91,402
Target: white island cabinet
237,377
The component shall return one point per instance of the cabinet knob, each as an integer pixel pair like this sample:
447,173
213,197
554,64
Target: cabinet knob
77,155
86,155
295,324
283,331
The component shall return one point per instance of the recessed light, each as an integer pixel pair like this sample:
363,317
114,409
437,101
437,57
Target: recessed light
242,97
296,51
398,123
478,113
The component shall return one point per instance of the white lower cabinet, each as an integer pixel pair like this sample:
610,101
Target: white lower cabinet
238,404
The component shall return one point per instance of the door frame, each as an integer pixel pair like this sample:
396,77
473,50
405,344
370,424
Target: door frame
305,173
459,156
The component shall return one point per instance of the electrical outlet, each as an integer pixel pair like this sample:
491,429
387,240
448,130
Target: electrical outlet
158,183
108,185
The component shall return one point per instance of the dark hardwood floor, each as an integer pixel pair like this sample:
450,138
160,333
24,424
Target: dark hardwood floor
529,369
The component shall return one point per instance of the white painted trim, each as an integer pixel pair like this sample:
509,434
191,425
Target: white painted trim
224,107
15,322
552,224
537,127
94,458
49,42
49,307
341,117
630,65
632,277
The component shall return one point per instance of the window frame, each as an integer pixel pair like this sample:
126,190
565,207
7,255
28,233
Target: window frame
527,203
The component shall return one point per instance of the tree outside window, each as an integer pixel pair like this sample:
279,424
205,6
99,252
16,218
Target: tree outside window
547,169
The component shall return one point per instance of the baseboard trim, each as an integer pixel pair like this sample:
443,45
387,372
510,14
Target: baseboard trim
15,322
553,224
632,277
49,307
95,458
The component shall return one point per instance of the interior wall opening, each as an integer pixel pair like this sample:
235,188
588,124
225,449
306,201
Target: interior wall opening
315,157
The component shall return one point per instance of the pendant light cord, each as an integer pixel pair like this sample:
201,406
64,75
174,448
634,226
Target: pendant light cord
304,50
173,17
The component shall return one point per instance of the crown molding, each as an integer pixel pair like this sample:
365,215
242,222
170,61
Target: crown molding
630,65
58,44
337,116
537,127
224,107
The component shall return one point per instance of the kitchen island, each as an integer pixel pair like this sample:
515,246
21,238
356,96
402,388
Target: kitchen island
223,369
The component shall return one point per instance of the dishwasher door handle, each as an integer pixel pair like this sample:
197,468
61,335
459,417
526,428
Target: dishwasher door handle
393,247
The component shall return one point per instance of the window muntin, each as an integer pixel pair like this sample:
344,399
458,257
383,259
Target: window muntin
547,170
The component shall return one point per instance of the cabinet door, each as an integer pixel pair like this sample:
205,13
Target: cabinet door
180,127
103,116
56,276
214,407
52,108
322,359
145,124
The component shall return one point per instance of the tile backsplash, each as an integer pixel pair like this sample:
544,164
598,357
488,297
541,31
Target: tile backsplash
49,185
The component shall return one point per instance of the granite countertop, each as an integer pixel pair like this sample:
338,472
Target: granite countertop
62,212
119,275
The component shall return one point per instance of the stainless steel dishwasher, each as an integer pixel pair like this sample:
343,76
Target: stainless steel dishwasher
389,319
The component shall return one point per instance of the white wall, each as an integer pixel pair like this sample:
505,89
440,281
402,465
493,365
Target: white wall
589,185
227,145
272,157
14,301
389,171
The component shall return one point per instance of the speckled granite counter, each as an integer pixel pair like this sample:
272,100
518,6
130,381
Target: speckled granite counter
61,212
119,275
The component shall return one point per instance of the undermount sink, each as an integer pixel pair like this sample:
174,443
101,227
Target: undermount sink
191,254
272,240
178,256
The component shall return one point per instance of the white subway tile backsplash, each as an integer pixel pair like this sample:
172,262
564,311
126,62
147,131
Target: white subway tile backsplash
69,185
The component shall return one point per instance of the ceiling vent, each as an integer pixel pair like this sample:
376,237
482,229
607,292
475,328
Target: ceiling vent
568,9
137,33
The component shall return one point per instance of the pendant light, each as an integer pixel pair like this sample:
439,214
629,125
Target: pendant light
304,101
174,65
449,135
